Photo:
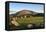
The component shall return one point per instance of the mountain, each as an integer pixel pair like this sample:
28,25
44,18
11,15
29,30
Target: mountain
40,14
27,12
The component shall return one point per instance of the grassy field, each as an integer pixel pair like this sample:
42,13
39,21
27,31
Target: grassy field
38,21
33,20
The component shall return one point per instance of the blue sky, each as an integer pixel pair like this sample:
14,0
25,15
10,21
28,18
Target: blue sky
15,7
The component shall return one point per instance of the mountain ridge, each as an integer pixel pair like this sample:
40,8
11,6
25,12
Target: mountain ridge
27,12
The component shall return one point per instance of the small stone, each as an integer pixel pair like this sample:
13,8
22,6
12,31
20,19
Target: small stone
29,25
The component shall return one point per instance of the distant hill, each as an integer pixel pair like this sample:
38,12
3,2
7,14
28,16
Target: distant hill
40,14
27,12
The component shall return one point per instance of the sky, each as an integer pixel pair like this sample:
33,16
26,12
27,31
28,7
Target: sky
15,7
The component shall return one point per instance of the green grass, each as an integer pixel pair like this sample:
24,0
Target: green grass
34,20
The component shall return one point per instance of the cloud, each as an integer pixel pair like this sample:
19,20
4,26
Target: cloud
40,11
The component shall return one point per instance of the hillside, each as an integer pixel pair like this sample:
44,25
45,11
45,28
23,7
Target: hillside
27,12
27,22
